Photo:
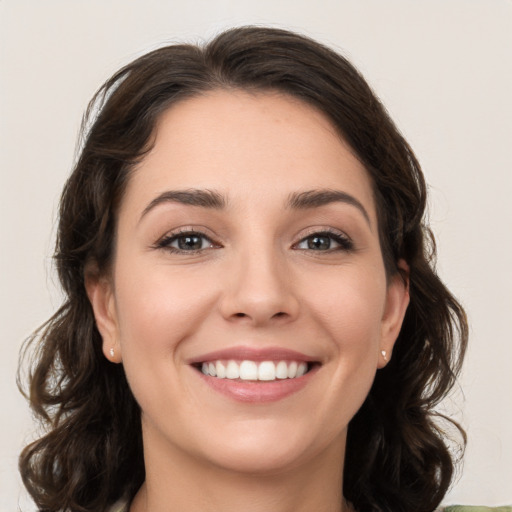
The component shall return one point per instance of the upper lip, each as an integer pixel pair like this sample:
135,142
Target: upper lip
242,353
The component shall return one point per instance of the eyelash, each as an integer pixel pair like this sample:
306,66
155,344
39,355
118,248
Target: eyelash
166,241
344,242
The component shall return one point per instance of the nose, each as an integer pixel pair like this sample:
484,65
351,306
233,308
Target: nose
259,290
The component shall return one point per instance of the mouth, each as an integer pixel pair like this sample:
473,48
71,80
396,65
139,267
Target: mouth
256,375
250,370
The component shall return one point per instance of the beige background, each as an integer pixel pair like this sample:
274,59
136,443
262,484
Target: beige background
442,67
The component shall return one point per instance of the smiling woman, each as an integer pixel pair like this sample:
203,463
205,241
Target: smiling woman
252,317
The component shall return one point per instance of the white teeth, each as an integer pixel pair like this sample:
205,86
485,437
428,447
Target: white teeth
267,371
232,370
282,370
221,370
251,370
292,370
302,369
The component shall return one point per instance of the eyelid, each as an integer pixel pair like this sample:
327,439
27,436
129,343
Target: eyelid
173,234
340,237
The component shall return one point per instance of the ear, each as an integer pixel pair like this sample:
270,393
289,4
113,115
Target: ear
397,300
101,296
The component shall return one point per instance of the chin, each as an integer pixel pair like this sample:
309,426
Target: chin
266,447
258,460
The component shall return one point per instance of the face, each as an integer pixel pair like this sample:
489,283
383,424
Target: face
247,253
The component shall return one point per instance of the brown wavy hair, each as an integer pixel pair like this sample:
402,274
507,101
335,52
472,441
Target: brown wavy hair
397,456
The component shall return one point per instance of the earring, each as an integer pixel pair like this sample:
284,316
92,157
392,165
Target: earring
384,355
111,352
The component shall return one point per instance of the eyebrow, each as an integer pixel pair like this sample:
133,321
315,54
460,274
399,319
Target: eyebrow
321,197
194,197
205,198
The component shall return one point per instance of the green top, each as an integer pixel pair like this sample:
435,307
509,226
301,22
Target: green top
465,508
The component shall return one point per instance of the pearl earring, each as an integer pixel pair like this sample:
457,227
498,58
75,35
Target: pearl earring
111,352
384,355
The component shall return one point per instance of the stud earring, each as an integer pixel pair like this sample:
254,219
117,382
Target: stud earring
111,352
384,355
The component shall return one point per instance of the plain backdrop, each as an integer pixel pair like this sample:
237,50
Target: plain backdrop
443,68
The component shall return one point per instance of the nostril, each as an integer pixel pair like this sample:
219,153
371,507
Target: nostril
276,315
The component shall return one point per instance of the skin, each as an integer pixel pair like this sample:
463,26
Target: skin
255,282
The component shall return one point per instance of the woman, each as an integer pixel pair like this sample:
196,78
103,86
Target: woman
252,318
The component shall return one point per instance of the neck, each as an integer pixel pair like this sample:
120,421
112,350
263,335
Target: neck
175,481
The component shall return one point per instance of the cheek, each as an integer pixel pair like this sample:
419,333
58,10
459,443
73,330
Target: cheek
346,310
350,312
159,307
157,310
350,307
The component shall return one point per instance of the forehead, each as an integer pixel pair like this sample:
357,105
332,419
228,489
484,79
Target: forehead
247,145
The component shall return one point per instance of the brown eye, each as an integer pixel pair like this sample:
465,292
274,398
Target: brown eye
186,242
189,242
319,243
325,241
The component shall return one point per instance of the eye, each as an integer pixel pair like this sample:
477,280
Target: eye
186,241
325,241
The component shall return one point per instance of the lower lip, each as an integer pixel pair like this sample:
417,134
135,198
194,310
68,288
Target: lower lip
258,391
